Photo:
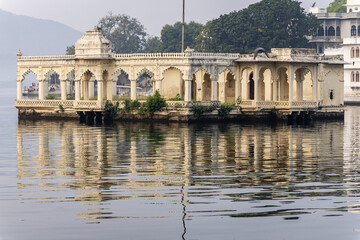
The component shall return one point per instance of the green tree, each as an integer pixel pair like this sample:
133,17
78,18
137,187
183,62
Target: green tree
153,44
337,6
126,34
267,24
171,36
70,50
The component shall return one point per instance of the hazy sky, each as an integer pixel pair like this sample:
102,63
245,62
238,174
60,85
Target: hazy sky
153,14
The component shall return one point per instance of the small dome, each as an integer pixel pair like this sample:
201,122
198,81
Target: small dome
93,45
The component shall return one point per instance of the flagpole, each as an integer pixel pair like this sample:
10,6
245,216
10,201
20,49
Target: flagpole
183,27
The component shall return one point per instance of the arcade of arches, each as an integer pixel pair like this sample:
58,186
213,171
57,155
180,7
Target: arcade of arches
95,73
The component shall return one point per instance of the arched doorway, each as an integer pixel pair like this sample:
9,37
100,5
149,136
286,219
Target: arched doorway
172,83
229,87
251,86
265,85
52,85
144,84
30,86
123,88
283,83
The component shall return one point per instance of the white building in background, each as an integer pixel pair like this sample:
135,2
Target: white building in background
339,34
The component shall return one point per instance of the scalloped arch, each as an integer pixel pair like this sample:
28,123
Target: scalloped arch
145,70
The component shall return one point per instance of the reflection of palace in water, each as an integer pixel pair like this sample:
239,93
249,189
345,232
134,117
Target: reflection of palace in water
96,160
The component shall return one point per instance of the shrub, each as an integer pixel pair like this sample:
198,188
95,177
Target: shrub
50,97
199,110
70,97
61,107
93,98
135,105
111,108
225,108
154,103
176,98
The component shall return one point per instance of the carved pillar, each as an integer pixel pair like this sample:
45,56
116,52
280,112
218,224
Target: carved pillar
222,86
214,90
109,90
63,89
91,89
133,89
256,82
275,88
100,90
41,89
77,90
315,84
114,92
19,89
291,83
238,81
158,85
188,84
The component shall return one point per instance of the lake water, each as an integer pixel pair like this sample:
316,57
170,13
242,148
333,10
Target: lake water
65,180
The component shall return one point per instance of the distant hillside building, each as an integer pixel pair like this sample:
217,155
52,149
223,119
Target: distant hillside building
339,34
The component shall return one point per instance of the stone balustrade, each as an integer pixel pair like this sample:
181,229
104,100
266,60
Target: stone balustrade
277,104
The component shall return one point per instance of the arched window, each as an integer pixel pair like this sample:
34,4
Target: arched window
357,76
321,31
359,30
353,30
331,31
352,52
357,52
352,76
338,32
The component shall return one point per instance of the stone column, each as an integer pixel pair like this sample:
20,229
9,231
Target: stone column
109,88
114,92
238,81
256,82
91,88
315,84
19,90
188,83
158,85
133,89
275,88
291,83
100,90
77,90
41,89
63,89
214,90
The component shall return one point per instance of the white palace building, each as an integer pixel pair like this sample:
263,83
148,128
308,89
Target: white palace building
339,34
284,81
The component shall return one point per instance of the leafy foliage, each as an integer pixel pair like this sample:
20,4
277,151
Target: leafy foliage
50,97
267,24
171,36
61,108
176,98
154,103
337,6
127,34
153,44
225,108
70,50
111,108
199,110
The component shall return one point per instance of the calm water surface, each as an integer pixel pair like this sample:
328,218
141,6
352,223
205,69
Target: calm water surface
64,180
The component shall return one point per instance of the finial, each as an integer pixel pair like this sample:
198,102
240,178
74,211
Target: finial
19,54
